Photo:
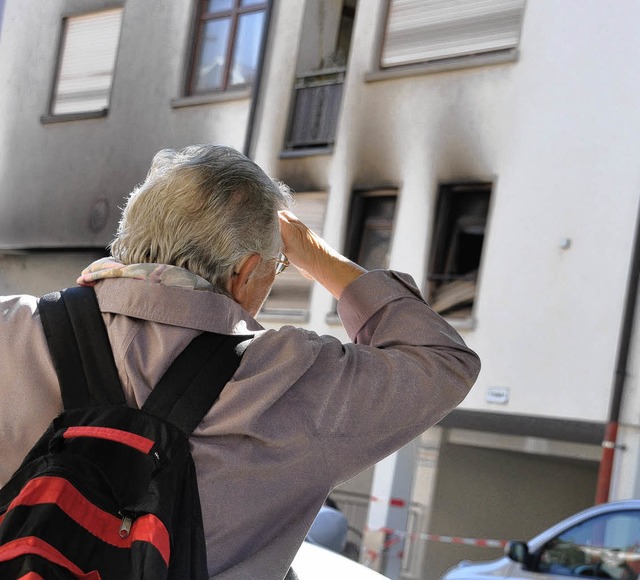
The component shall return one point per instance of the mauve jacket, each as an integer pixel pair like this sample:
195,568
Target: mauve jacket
302,414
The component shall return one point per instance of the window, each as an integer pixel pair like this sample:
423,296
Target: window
86,63
419,31
321,67
456,247
606,546
291,291
371,227
227,44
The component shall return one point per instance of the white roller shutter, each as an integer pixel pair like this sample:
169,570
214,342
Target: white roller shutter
87,62
425,30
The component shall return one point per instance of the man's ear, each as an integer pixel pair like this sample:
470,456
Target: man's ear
238,284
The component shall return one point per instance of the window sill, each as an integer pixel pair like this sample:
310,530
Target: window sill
333,319
48,119
443,65
210,98
306,152
462,323
290,316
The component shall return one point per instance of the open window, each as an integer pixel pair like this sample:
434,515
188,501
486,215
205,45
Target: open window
86,64
322,63
291,291
456,247
371,228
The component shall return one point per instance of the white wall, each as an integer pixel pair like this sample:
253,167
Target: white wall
557,133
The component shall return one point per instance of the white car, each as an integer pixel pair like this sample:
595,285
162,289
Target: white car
317,563
600,542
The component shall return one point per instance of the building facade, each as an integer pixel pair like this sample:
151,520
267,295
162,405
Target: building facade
487,147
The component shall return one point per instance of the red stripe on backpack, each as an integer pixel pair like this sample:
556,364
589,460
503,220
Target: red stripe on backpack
138,442
38,547
103,525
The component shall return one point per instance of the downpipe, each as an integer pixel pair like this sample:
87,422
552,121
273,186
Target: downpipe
609,445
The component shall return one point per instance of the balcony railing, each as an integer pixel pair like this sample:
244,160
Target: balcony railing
316,106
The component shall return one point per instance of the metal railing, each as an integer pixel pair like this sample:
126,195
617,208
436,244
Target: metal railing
315,110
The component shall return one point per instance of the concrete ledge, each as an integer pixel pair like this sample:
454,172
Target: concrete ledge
526,426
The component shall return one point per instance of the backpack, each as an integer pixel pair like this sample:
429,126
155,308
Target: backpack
110,491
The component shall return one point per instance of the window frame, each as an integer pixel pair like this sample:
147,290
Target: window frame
200,20
2,3
356,224
291,278
50,116
316,103
441,245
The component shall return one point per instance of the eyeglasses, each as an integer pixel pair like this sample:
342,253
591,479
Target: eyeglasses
282,263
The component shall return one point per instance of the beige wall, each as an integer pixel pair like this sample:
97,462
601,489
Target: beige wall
501,495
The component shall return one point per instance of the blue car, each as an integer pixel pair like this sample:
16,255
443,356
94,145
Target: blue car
600,542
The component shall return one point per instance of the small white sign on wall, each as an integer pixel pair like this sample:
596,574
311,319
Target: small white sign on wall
497,395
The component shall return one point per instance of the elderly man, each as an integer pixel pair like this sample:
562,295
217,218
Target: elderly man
199,245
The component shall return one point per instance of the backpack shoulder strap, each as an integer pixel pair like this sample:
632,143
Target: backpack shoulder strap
190,386
80,348
82,355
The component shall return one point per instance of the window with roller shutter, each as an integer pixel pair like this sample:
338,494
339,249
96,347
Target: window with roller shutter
433,31
86,64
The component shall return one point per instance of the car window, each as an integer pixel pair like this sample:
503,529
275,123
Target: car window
606,546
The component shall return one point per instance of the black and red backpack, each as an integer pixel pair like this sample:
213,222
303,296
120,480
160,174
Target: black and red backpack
110,492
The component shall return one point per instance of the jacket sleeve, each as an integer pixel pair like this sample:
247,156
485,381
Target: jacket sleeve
29,393
405,370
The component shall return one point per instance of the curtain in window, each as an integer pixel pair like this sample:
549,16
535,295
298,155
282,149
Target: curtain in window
424,30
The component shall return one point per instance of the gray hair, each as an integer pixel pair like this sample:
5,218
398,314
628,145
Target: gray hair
203,208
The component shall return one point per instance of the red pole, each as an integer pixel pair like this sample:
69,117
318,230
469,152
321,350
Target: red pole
606,463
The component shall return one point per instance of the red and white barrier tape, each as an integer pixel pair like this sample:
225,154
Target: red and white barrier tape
395,536
480,542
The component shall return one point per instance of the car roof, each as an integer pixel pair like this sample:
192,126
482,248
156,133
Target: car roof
317,563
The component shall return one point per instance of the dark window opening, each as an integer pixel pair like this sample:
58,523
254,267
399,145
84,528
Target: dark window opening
456,247
371,228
